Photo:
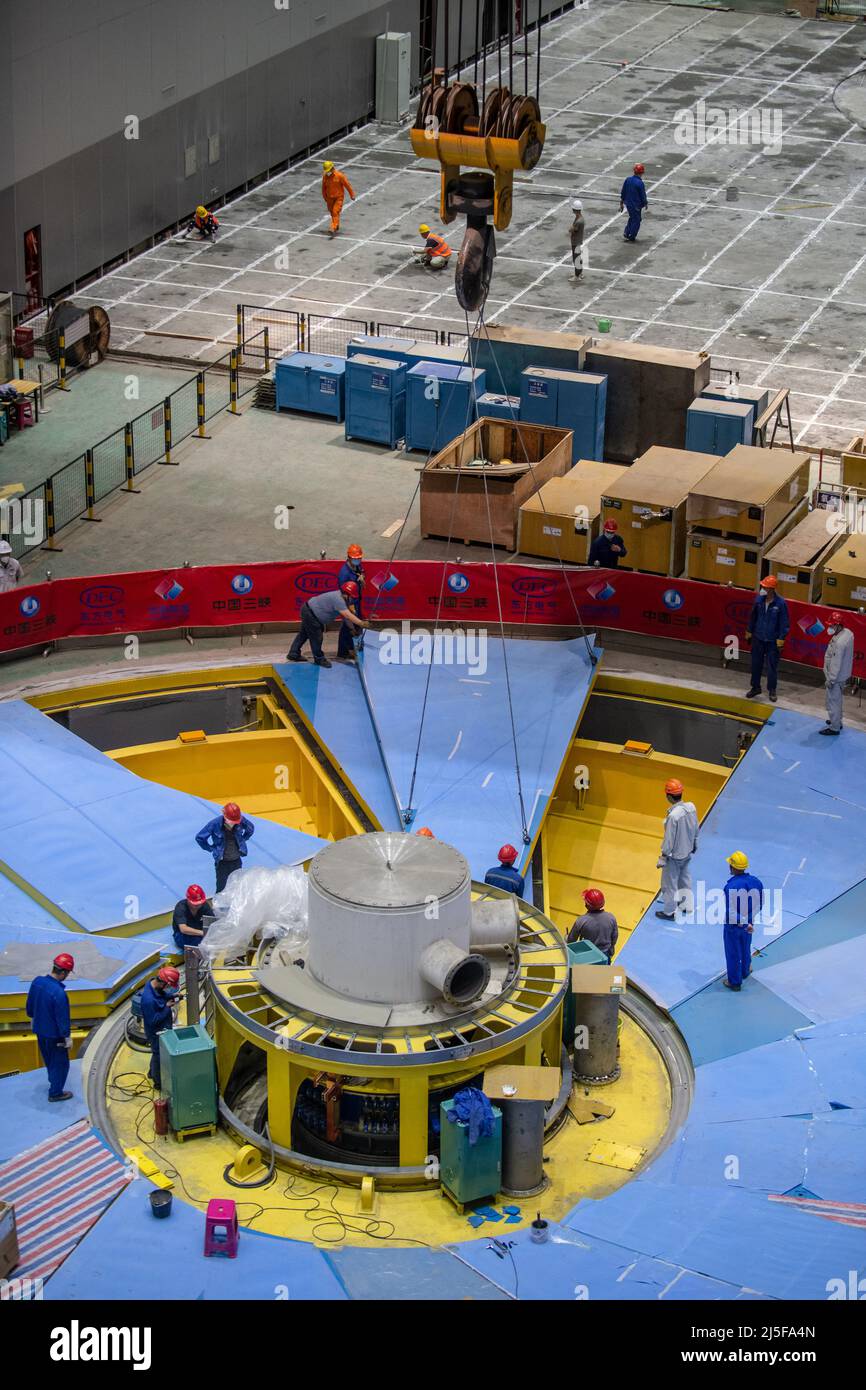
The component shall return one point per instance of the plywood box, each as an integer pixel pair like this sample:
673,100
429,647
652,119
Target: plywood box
489,499
561,520
749,492
798,559
854,463
504,352
648,503
734,560
649,390
845,575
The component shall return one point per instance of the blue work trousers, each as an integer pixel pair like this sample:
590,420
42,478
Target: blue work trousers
56,1059
632,226
760,652
738,954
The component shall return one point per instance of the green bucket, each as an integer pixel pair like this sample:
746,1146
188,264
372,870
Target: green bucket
604,325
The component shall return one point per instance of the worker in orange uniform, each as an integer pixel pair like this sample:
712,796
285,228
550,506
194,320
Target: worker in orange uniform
435,251
204,223
335,186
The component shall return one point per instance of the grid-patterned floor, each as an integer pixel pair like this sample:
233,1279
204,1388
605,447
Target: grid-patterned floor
758,257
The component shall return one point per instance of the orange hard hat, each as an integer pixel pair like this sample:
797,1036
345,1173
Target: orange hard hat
507,854
232,813
168,975
64,961
610,525
638,168
769,582
354,552
426,832
196,894
593,897
673,787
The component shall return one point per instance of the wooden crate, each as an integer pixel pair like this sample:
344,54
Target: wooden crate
649,390
734,560
845,575
854,463
490,498
561,520
749,493
505,352
648,503
798,559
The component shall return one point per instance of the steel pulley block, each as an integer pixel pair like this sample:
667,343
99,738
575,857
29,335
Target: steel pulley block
475,265
461,109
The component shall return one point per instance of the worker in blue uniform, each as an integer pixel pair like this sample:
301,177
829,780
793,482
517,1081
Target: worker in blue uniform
225,837
157,1000
48,1011
632,199
608,548
352,569
191,917
744,898
768,627
504,875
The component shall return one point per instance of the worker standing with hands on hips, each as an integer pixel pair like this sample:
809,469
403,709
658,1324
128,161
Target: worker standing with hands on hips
158,999
317,612
504,875
632,199
768,627
608,548
678,845
435,251
744,898
576,235
10,570
351,571
335,186
48,1011
596,925
225,837
838,665
191,918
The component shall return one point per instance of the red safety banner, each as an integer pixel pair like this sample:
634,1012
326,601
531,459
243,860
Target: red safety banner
420,590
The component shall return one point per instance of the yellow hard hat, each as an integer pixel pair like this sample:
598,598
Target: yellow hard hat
738,860
424,229
201,211
328,166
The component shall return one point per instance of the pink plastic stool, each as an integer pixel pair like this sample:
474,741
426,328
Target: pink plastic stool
24,410
221,1228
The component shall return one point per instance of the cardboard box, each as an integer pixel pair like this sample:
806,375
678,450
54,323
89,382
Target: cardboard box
798,559
598,979
845,575
649,390
749,492
529,1083
9,1254
550,523
854,463
490,498
734,560
648,503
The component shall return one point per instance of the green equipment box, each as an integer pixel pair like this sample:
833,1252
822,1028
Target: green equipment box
187,1058
579,953
469,1171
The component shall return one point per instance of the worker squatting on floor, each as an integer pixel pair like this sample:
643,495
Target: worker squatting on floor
838,665
10,570
596,924
48,1011
225,837
159,1000
744,898
632,199
351,571
767,629
678,845
608,548
504,875
335,186
317,612
435,251
204,223
576,235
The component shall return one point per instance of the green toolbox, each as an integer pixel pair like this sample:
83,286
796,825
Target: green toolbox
187,1058
467,1171
579,953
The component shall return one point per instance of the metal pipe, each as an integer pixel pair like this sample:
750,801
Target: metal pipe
460,978
495,922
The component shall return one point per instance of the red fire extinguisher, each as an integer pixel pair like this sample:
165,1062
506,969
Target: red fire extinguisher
160,1116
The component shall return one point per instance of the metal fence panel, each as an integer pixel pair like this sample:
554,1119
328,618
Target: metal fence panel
332,336
148,438
70,493
284,331
396,330
109,465
216,388
184,418
23,521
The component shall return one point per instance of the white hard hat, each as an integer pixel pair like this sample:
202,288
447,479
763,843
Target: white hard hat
5,548
577,205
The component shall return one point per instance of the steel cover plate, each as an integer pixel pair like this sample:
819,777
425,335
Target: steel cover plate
389,869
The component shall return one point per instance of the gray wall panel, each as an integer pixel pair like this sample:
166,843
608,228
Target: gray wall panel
87,211
57,187
113,185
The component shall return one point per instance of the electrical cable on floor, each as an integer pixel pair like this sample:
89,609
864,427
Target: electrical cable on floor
260,1182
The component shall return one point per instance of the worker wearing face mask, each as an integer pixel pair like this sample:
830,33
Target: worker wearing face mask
10,570
225,837
768,627
838,665
352,570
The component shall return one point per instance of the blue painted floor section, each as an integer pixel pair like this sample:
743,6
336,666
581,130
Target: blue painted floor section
131,956
28,1117
18,909
100,842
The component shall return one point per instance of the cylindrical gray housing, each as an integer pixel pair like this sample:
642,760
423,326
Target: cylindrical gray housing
599,1015
376,903
522,1147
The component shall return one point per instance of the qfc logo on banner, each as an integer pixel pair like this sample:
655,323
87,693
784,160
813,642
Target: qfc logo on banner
242,584
673,600
29,606
458,583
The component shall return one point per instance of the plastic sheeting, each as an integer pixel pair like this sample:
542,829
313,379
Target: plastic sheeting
261,904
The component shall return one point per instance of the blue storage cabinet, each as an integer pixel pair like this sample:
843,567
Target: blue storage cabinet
716,427
437,414
312,382
756,396
469,1171
573,401
493,407
375,399
395,349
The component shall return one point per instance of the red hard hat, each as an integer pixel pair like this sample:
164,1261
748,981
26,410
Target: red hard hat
64,961
507,854
169,975
610,525
770,582
232,813
350,589
836,619
638,168
673,787
355,552
426,832
196,894
593,897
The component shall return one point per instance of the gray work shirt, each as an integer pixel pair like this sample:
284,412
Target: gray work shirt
328,606
10,574
598,927
681,831
839,657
